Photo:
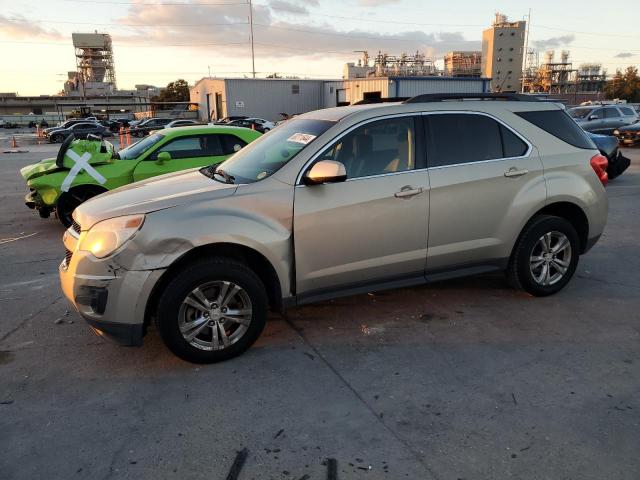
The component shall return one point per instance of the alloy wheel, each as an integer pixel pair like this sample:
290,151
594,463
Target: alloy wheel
215,315
550,258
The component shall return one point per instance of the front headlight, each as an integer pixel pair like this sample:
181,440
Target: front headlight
107,236
616,132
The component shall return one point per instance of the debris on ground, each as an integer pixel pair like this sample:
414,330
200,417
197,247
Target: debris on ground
238,463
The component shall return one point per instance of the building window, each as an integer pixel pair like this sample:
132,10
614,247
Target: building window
513,34
295,89
500,34
330,89
499,59
500,49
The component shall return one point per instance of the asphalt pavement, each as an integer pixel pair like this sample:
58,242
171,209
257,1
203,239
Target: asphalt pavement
464,379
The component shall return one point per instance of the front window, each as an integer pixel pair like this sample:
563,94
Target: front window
138,148
265,156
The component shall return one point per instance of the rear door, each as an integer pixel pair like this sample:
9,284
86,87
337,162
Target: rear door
613,119
186,152
484,177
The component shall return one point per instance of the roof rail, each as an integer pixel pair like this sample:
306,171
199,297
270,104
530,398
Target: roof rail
442,97
369,101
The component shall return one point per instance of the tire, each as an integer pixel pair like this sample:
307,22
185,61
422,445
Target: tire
57,138
526,270
69,201
204,343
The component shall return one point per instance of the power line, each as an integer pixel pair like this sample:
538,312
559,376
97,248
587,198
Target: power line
204,4
137,45
150,25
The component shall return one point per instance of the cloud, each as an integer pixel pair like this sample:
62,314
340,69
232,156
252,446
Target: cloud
275,37
554,42
293,7
377,3
624,55
17,26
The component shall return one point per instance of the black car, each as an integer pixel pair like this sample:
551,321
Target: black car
80,130
628,135
608,146
231,118
143,128
247,123
67,124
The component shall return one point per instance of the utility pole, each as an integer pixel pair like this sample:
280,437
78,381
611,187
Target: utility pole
253,58
526,51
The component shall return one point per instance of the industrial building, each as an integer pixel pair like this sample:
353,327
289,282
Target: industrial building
558,76
463,64
95,69
503,54
270,97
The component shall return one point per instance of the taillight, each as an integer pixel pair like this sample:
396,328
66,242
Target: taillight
599,163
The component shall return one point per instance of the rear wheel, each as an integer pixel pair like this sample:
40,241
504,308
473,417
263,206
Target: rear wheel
70,200
57,138
545,257
212,310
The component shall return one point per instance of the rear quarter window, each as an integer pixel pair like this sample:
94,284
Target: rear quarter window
560,125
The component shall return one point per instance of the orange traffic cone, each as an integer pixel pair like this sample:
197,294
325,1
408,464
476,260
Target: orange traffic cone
128,137
14,144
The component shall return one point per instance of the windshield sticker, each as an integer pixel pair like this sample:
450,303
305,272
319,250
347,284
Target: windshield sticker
302,138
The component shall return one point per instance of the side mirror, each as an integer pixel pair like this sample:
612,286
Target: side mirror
163,157
325,171
593,117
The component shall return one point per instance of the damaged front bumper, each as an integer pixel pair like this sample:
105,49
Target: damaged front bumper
33,200
110,298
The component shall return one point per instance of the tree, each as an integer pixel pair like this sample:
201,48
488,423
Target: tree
624,85
177,91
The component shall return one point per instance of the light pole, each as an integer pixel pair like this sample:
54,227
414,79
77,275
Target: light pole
253,59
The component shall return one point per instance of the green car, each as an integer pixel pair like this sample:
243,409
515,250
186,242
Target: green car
86,168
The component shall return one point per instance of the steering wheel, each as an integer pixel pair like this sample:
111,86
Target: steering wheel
63,150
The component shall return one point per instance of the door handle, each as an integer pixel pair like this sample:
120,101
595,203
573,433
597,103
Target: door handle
408,191
514,172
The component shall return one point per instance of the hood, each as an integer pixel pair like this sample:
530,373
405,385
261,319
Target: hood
43,167
152,195
607,144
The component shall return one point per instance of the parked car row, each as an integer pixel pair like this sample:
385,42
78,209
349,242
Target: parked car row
604,119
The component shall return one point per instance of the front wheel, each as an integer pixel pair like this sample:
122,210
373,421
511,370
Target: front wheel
545,257
212,310
57,138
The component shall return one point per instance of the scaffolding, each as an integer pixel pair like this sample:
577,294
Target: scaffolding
94,58
560,77
463,64
417,65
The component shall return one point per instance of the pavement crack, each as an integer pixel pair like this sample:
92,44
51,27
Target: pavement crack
24,321
368,406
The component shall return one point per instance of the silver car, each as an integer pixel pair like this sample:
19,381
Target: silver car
603,119
338,202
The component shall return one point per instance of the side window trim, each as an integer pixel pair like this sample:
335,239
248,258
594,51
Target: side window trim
500,122
420,149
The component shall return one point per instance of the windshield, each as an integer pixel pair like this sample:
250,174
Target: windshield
272,151
138,148
580,112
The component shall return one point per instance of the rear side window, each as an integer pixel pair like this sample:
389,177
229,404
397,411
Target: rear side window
231,144
454,138
512,146
627,111
560,125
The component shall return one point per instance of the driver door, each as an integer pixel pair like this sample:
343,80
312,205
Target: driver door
186,152
372,228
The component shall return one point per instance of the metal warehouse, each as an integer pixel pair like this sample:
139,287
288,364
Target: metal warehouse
269,98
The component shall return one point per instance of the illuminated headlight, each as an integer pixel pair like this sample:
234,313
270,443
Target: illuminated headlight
616,132
107,236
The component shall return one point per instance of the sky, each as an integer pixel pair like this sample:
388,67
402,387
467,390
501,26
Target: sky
158,41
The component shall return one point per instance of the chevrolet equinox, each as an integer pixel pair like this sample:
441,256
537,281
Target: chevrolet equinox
338,202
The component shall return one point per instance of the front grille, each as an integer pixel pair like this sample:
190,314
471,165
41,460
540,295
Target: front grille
67,256
76,227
